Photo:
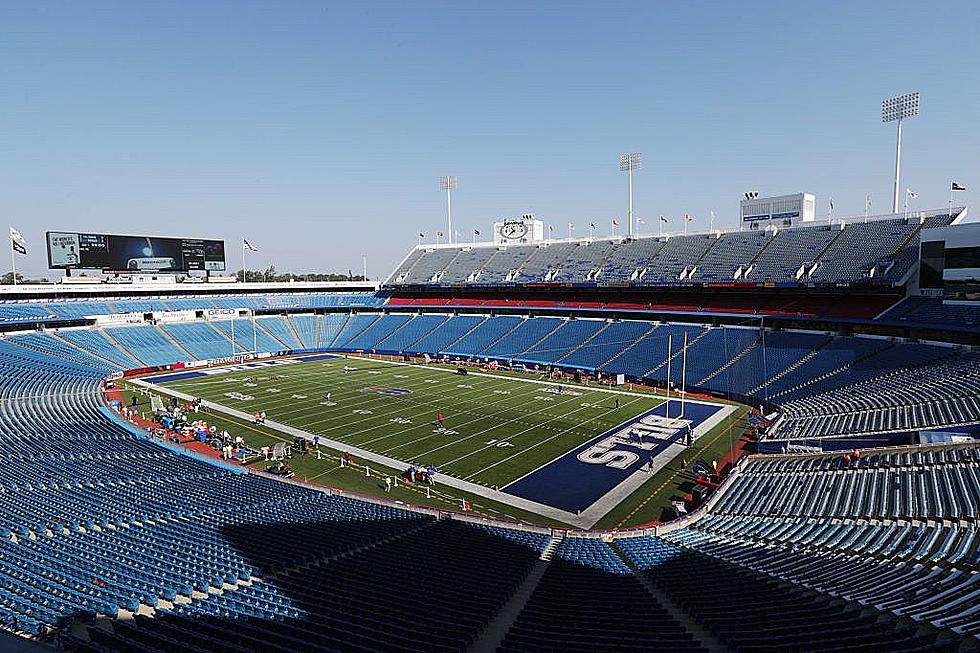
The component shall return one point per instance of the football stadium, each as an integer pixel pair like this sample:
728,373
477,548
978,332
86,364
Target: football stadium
758,436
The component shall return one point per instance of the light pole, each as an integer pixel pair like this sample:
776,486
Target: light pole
895,110
448,184
628,163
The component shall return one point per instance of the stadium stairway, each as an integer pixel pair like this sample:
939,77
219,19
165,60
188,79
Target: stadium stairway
721,370
122,347
292,330
179,346
795,366
701,634
677,356
584,343
827,248
283,337
93,352
493,635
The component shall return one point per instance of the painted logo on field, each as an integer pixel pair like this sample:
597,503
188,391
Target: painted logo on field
646,434
388,392
578,478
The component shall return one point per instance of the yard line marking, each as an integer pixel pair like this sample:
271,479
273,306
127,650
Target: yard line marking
534,446
484,431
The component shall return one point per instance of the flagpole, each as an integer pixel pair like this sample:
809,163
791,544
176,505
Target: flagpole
13,259
244,276
950,200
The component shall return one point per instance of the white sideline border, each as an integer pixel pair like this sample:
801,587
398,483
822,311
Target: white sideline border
588,517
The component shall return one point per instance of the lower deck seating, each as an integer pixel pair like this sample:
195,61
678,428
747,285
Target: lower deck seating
97,521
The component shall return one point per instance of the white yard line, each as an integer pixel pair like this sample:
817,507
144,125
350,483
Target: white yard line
588,517
364,454
273,403
538,444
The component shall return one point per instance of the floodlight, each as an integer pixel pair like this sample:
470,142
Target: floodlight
628,163
896,110
900,107
448,184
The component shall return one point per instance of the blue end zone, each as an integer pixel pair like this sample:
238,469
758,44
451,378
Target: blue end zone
570,484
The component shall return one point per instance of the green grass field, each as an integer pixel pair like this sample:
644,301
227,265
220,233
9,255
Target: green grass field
501,408
496,429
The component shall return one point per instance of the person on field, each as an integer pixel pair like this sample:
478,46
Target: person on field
440,419
387,484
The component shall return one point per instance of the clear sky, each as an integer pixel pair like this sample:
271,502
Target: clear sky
319,130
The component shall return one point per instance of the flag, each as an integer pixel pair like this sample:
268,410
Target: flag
17,242
640,221
551,227
689,217
592,225
440,234
249,246
664,219
867,200
831,203
571,227
911,193
421,235
476,232
615,222
956,186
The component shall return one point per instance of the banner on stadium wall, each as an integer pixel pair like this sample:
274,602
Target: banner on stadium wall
237,358
222,313
174,316
802,448
116,318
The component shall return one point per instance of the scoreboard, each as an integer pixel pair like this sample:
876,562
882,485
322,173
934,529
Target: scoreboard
113,252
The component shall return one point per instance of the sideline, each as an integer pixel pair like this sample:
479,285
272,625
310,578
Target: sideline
363,454
588,517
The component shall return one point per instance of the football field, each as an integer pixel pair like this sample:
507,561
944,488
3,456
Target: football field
568,452
495,429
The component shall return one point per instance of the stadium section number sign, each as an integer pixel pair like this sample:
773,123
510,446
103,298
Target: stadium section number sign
133,253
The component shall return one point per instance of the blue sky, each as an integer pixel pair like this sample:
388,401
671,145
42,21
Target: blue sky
319,130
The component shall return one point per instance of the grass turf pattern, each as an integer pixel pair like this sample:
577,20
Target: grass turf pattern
495,429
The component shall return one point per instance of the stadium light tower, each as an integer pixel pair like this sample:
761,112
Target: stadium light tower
628,163
448,184
895,110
